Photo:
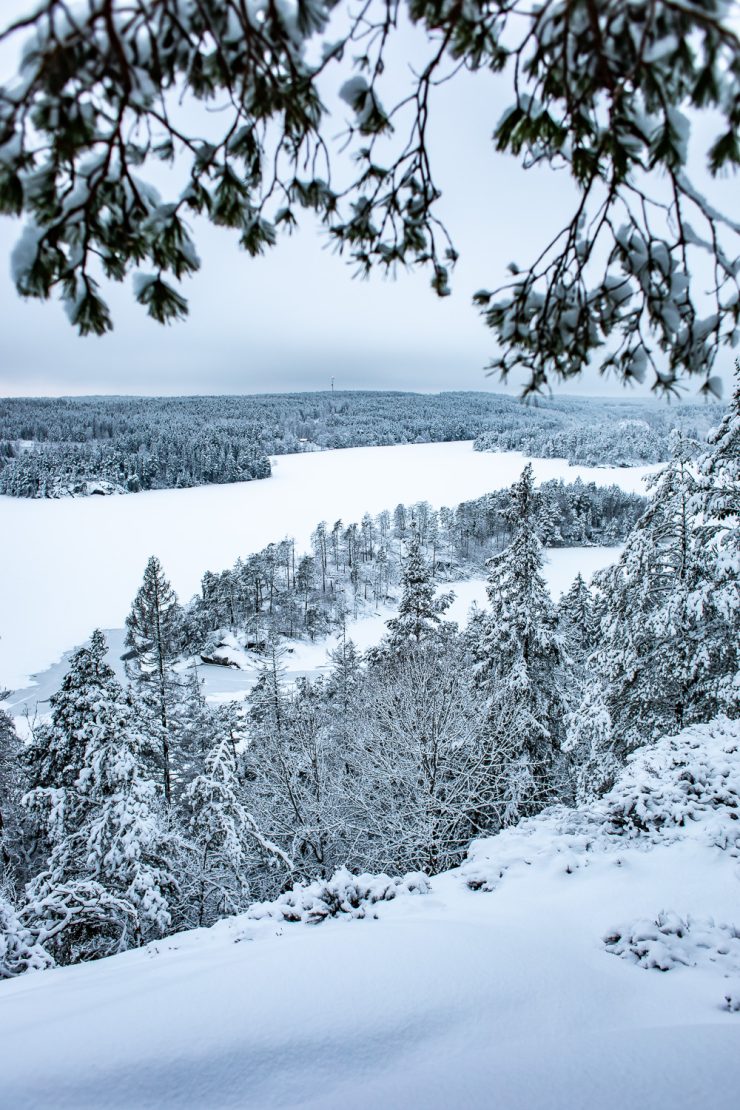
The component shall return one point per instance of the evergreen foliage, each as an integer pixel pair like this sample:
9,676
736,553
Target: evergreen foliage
520,659
665,647
392,761
420,609
717,597
154,635
90,445
12,852
86,701
600,88
103,884
357,566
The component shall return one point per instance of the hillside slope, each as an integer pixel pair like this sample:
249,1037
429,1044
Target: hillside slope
527,978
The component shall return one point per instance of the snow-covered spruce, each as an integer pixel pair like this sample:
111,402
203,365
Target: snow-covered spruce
107,873
519,671
342,894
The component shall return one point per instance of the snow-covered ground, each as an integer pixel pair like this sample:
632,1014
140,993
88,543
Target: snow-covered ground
71,565
305,657
540,993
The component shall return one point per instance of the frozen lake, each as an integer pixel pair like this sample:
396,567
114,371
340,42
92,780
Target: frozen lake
71,565
306,657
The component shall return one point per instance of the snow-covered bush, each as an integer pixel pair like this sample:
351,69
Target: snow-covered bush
79,920
688,783
19,950
671,941
679,779
342,894
559,837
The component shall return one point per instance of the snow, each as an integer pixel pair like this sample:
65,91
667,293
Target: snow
24,252
670,941
73,565
353,88
307,658
343,893
449,998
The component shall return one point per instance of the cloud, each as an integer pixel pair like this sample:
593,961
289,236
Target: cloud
296,317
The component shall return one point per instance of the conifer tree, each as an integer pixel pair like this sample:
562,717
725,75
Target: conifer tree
519,667
106,880
577,621
717,505
125,845
154,628
228,845
57,751
344,678
653,651
419,611
12,851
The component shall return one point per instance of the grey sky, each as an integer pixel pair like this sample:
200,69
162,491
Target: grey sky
295,318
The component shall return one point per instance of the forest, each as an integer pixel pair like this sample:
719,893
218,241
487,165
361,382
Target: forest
355,567
51,447
136,812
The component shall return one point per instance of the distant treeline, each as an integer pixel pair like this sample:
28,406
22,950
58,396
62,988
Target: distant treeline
278,591
51,447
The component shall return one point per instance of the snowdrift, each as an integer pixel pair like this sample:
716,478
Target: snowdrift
584,959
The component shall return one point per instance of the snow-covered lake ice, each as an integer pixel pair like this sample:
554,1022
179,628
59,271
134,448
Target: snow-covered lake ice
310,658
71,565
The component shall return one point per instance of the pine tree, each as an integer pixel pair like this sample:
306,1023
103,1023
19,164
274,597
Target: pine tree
344,678
57,750
519,668
577,621
653,652
419,611
228,846
105,881
717,505
12,850
154,635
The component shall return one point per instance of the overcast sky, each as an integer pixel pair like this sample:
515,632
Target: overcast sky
295,318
